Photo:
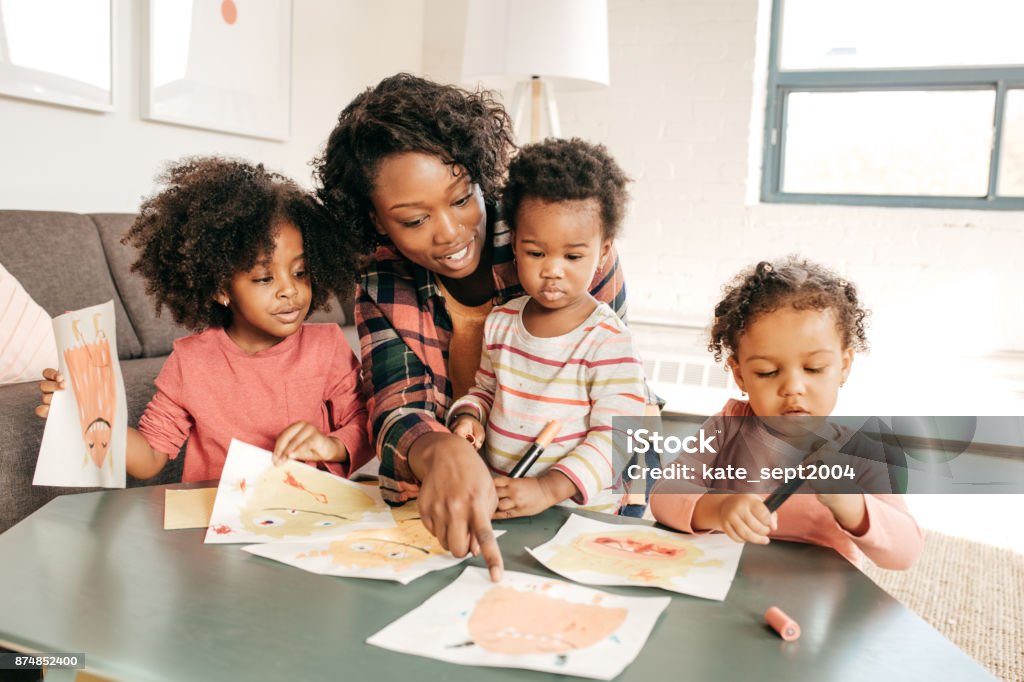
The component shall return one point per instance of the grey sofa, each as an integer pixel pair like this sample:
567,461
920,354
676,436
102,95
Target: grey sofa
68,261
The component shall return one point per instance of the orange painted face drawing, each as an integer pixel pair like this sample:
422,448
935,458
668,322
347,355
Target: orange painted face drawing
91,370
511,621
641,555
399,548
295,500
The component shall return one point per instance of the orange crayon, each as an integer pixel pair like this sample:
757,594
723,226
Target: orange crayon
787,628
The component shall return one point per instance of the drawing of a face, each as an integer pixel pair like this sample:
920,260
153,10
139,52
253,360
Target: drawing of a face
511,621
643,555
400,547
293,499
92,378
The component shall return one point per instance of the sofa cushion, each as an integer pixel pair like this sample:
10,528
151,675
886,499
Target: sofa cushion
157,334
59,260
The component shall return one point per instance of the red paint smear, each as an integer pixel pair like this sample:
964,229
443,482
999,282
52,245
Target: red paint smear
221,529
295,483
637,547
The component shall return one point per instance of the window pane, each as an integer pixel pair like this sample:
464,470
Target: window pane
1011,156
859,34
925,143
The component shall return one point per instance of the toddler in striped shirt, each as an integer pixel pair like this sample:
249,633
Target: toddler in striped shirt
556,353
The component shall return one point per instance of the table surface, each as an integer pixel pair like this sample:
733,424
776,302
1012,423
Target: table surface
95,573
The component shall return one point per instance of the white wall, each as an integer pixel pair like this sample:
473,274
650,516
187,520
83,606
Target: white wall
56,158
687,89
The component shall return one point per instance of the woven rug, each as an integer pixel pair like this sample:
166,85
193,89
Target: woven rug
972,593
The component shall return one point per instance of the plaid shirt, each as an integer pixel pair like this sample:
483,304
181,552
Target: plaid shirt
404,332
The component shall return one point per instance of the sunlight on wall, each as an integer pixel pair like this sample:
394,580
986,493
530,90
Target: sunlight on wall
921,358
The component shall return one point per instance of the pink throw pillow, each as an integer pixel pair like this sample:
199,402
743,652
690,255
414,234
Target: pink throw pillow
27,345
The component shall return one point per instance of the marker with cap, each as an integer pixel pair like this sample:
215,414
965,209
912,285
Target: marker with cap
782,493
533,453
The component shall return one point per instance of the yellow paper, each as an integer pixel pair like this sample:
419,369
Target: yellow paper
409,511
188,508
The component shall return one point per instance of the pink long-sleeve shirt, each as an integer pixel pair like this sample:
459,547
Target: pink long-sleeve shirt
210,391
892,540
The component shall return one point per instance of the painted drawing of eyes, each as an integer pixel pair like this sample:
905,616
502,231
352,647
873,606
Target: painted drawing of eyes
326,523
269,521
360,547
396,554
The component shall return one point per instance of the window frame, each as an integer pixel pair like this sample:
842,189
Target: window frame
783,83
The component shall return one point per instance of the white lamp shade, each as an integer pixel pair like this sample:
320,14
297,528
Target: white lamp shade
563,41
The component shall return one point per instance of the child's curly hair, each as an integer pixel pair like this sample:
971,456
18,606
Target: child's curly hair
216,217
404,113
794,282
566,170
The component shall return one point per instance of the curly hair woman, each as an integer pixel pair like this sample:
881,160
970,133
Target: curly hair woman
241,256
414,169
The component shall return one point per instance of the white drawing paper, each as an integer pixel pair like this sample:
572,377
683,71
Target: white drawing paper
86,432
260,502
597,553
402,553
526,621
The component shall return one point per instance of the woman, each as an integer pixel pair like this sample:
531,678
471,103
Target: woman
415,167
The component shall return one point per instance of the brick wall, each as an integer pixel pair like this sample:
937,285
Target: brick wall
683,116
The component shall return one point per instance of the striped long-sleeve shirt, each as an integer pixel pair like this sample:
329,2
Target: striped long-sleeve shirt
404,332
582,379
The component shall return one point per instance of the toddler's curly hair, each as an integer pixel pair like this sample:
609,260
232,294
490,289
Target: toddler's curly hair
470,131
566,170
795,282
216,217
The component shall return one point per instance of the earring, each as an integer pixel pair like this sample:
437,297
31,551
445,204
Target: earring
224,302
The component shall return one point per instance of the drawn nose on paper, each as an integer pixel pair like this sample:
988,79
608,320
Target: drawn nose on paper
92,378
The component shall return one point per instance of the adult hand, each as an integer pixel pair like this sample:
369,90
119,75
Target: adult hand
52,381
457,497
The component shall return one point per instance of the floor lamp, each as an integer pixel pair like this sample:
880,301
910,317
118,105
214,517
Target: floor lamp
536,46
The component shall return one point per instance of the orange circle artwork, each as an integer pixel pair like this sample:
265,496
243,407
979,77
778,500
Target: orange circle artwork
229,10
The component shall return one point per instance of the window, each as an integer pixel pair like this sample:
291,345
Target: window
896,103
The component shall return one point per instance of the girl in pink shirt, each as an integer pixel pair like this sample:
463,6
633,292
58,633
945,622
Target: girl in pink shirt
241,256
789,332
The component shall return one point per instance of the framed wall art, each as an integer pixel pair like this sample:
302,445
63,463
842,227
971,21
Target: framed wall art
58,51
220,65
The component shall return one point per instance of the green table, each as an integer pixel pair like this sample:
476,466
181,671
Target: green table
95,573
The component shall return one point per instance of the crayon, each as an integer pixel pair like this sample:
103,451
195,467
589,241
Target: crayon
787,628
